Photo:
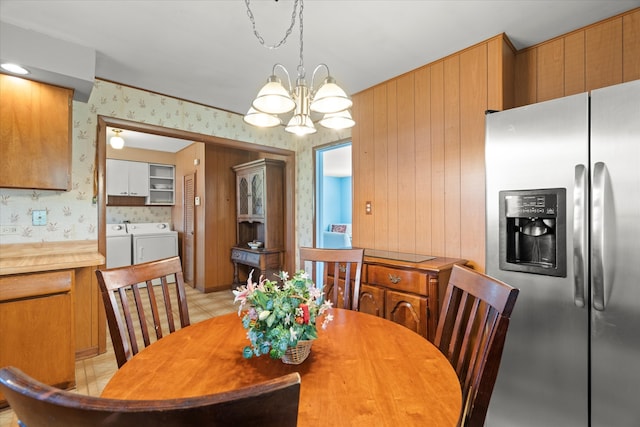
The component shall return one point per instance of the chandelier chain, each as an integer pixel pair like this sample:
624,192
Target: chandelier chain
287,33
301,72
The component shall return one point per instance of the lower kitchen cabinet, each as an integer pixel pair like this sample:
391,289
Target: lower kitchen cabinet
38,326
406,288
90,318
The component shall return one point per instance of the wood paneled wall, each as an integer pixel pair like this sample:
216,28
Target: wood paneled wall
418,145
603,54
418,154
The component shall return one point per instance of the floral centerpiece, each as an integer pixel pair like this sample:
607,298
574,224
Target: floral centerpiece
279,314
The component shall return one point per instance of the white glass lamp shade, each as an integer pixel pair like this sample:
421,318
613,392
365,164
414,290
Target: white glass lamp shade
116,142
339,120
260,119
300,124
330,98
273,98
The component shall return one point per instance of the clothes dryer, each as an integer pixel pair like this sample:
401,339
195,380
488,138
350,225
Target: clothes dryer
152,241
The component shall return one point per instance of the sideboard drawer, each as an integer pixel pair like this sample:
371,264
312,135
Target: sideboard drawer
394,278
245,257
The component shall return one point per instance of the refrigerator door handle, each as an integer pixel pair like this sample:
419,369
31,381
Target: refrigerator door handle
597,242
579,233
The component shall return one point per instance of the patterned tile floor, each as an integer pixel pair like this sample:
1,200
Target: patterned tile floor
93,374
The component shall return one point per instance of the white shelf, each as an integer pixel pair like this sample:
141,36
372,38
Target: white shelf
161,184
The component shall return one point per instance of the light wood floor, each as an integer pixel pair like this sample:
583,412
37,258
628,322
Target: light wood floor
93,374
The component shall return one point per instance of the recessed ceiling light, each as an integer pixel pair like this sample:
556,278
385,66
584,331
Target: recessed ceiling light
14,68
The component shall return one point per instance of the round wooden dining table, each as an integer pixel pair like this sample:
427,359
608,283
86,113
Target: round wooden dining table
362,370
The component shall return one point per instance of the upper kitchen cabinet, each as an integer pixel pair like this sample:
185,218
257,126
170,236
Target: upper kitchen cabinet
161,184
35,135
127,178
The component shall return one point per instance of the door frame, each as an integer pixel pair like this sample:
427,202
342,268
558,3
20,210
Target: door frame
318,169
100,172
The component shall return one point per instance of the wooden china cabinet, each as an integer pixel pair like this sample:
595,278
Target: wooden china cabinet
260,217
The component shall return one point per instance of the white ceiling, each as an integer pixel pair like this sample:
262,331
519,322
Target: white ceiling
205,50
149,141
337,162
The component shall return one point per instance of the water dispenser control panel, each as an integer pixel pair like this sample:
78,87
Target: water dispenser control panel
533,231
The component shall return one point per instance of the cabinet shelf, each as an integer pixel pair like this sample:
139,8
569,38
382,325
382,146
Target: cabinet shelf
161,184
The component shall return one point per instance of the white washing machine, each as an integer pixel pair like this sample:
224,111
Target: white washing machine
152,241
118,246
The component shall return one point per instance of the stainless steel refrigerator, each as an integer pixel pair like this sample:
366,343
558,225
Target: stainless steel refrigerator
563,226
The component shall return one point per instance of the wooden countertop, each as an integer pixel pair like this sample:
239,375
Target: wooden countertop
46,256
410,260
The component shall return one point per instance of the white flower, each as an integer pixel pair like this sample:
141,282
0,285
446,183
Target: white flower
264,314
328,318
293,334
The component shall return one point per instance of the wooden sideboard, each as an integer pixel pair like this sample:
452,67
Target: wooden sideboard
405,288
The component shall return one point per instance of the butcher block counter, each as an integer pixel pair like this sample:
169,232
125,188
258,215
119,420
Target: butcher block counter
50,308
47,256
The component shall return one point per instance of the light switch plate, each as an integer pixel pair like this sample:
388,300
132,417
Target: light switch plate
39,217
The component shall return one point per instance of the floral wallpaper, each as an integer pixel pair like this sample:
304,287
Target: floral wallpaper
73,215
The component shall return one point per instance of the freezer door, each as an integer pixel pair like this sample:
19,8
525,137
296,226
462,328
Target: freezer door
615,245
543,377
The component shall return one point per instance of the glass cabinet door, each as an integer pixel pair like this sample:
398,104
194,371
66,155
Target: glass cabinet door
257,194
243,196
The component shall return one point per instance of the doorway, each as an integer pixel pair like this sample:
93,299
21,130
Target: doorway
203,269
334,195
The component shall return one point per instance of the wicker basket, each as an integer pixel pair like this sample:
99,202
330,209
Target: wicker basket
296,355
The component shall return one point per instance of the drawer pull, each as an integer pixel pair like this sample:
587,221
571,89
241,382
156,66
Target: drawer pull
394,279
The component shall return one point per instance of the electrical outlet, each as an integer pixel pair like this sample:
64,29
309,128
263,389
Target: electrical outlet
39,217
8,230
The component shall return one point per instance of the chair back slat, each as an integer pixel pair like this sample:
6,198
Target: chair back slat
126,283
471,333
346,268
273,403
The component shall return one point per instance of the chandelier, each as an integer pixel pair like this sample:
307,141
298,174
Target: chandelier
274,99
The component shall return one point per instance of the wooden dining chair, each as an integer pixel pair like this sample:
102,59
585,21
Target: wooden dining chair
271,403
471,333
129,292
342,273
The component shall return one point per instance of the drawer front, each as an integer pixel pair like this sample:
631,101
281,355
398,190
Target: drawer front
31,285
342,270
244,257
402,280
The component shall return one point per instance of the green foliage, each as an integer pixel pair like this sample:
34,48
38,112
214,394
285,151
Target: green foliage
279,314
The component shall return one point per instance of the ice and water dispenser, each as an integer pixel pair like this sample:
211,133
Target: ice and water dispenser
533,231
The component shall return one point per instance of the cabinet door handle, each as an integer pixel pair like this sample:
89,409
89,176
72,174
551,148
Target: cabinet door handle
394,279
